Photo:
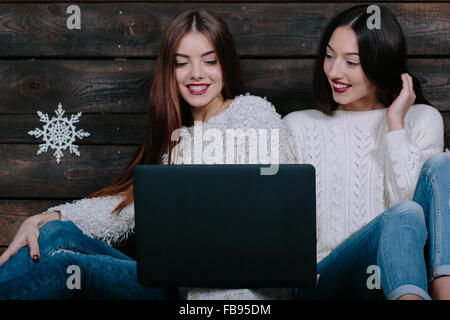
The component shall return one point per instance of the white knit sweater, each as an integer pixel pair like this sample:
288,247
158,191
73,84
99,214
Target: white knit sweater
361,168
95,218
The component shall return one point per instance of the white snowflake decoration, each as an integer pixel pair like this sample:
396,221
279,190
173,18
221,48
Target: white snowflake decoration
59,133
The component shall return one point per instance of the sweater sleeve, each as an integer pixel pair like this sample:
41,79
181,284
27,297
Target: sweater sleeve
95,217
409,148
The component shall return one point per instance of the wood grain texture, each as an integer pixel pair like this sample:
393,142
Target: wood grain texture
104,86
80,85
24,174
259,29
212,1
103,129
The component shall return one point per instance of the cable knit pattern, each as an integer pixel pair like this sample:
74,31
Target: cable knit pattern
362,132
336,192
313,156
361,168
95,218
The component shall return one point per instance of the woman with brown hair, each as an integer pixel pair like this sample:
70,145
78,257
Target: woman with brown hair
197,80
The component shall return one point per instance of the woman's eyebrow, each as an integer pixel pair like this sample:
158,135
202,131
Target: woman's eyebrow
186,56
346,54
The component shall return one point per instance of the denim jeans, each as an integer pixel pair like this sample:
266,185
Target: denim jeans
407,246
393,243
105,273
433,194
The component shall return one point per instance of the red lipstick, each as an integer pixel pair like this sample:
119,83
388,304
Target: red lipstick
197,93
340,90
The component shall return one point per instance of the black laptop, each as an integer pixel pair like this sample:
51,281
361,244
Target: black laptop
225,226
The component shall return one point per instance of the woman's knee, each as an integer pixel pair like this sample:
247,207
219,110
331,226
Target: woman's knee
407,213
437,162
57,226
56,231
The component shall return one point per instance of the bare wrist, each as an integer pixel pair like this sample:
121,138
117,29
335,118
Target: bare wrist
45,217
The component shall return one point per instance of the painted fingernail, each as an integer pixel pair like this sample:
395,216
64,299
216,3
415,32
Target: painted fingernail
36,258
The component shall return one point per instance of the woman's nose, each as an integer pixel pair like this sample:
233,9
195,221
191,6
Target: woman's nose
196,71
335,70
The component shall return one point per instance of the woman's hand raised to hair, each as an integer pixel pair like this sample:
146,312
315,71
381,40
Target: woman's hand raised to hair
395,114
28,235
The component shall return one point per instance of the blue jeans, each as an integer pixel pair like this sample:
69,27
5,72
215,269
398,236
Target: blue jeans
433,194
105,273
406,246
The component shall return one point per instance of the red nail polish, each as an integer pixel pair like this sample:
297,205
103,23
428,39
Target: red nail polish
36,258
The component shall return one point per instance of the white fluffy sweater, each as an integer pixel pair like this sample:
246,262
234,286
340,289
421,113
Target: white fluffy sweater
361,168
95,218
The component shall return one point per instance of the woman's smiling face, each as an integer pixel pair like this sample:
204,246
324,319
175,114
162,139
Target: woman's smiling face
198,72
350,86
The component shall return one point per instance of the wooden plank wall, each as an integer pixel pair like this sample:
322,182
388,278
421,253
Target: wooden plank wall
105,71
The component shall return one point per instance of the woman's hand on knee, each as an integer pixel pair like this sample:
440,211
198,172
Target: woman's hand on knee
27,235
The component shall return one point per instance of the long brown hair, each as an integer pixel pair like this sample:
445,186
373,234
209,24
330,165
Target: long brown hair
167,109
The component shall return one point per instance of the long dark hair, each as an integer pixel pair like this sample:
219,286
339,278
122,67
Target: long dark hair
167,110
382,53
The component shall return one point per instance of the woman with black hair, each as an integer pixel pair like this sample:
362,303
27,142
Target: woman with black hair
368,144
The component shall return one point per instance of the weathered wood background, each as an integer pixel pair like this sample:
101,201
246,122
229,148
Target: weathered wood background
105,70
